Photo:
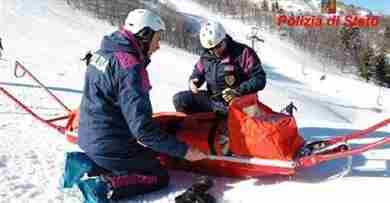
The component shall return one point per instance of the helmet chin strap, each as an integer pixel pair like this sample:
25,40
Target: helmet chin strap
145,37
219,55
145,47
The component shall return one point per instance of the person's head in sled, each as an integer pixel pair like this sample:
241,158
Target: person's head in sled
116,130
230,69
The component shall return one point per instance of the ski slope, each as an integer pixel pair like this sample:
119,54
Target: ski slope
50,38
302,6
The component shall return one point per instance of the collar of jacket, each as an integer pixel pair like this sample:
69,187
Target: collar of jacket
130,36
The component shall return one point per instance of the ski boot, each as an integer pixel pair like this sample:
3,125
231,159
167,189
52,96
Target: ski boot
197,193
77,164
95,190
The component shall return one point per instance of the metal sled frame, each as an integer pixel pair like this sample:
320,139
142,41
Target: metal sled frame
20,71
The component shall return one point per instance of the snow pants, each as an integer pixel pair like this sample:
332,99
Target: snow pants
125,180
126,185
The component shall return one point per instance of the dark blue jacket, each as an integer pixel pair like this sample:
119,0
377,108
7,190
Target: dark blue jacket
239,61
116,112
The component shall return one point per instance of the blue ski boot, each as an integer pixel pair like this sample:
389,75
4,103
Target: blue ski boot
95,190
76,165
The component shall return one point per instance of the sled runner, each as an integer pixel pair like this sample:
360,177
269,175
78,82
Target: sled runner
258,142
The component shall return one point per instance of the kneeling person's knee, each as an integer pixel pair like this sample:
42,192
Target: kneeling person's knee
180,101
130,185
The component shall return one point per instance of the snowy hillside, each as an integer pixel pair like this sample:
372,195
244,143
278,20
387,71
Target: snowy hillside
50,38
311,6
307,6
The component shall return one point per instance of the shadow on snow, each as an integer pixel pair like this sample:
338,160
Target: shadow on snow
326,171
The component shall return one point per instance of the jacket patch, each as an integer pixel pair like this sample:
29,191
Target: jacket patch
230,80
99,61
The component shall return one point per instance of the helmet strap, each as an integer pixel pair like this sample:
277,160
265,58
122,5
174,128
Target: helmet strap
145,37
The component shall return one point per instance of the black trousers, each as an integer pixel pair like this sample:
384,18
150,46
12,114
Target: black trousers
189,103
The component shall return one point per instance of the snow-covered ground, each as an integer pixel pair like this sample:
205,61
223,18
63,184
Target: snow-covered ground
50,38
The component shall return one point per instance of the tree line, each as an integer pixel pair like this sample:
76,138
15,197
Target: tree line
178,33
361,51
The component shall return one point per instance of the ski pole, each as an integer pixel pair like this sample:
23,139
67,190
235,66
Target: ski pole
19,65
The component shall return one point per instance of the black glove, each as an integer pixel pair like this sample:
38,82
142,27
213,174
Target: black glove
229,94
197,193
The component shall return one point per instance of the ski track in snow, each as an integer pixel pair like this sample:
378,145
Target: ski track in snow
31,154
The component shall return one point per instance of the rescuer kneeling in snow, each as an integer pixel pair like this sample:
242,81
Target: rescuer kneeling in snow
116,130
229,68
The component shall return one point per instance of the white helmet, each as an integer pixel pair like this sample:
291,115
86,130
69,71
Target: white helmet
138,19
211,34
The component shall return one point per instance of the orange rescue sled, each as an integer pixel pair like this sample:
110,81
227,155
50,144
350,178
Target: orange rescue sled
258,142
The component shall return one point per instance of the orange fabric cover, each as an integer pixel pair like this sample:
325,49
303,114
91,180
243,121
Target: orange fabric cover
256,130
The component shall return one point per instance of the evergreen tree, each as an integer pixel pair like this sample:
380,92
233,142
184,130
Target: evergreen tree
382,71
345,41
387,38
264,6
365,67
277,6
351,44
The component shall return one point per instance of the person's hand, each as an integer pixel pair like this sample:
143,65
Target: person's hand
194,89
229,94
74,119
194,154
